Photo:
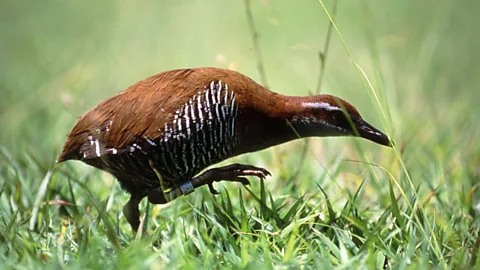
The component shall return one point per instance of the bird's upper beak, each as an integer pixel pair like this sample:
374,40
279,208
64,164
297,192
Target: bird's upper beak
368,132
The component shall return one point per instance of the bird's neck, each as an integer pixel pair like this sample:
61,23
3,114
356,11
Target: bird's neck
283,119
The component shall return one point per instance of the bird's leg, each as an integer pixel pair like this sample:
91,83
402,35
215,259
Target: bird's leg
131,212
233,173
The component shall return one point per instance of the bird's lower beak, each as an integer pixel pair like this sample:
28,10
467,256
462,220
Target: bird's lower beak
368,132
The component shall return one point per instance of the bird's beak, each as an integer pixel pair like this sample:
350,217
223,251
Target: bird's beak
368,132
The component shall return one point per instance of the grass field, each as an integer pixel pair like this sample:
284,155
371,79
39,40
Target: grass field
410,67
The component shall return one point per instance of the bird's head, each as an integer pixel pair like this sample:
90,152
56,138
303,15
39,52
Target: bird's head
326,115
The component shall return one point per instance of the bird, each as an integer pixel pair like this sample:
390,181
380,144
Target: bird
158,135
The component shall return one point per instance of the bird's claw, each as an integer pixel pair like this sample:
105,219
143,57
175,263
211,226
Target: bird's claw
212,189
231,173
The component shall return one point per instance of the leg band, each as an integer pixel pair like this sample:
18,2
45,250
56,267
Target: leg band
187,188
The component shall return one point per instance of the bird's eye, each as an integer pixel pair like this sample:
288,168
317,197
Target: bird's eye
343,120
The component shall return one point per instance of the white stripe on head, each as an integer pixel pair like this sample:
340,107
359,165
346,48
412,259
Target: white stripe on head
321,105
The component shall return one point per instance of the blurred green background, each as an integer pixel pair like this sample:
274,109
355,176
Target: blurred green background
60,58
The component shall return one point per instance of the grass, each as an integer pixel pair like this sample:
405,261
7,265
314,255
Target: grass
410,68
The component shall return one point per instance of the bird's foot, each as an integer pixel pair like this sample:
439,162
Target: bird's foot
231,173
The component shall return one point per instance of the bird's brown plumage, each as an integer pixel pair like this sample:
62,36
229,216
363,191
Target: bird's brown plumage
157,134
142,108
